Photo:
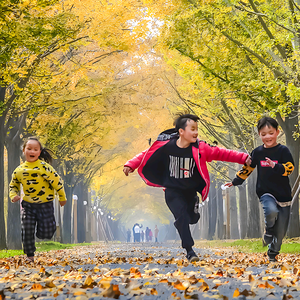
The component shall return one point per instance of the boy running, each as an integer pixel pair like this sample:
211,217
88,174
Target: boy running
177,161
274,163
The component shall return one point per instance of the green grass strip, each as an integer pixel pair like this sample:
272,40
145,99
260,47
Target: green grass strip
41,247
251,245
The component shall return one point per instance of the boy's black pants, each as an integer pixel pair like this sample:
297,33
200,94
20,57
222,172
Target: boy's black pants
182,205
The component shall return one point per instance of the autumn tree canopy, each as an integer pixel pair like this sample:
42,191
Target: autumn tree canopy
98,81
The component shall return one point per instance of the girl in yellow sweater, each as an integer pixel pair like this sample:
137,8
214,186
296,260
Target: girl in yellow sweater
39,181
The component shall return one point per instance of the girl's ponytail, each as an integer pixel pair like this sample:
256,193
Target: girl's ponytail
46,155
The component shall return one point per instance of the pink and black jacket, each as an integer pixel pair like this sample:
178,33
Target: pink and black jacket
149,163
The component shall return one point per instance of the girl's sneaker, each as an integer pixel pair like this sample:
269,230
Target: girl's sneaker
30,259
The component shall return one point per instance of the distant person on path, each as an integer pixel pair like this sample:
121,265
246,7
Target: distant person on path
39,181
134,236
150,235
177,161
128,233
137,231
147,234
274,164
133,233
156,233
142,236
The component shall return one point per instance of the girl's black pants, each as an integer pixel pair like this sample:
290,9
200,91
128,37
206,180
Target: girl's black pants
37,220
182,205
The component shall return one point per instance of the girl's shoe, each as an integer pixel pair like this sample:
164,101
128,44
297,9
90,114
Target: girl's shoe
30,258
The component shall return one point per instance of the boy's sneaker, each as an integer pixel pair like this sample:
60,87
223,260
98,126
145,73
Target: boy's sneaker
192,256
267,239
273,257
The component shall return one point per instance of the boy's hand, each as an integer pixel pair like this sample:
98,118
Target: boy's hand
227,185
62,203
16,198
248,161
127,170
270,162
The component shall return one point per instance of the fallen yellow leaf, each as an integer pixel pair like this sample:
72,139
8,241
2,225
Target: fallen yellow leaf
50,284
36,286
154,292
204,287
79,293
236,293
179,286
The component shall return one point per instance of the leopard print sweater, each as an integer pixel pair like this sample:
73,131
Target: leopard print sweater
39,181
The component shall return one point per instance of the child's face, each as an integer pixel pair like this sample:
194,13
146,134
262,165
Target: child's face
268,136
32,151
190,133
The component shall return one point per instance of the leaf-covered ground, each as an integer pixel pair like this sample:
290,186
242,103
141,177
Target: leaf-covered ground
150,271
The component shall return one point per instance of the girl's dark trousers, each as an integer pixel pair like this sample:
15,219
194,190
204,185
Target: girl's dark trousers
39,220
182,205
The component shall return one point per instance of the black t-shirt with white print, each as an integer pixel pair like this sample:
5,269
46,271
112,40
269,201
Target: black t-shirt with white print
271,180
182,170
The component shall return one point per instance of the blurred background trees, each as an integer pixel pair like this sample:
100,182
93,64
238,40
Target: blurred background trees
97,82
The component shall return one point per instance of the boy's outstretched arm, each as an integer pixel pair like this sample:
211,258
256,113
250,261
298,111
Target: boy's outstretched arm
216,153
243,174
134,163
127,170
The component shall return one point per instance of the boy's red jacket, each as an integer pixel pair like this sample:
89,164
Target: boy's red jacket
147,162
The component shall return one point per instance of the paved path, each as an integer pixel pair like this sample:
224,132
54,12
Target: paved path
150,271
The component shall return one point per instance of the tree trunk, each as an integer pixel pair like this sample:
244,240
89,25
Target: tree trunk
67,234
220,212
2,219
68,178
88,233
85,209
195,229
212,207
13,146
243,210
13,216
2,138
234,226
172,231
204,212
253,230
294,147
80,191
